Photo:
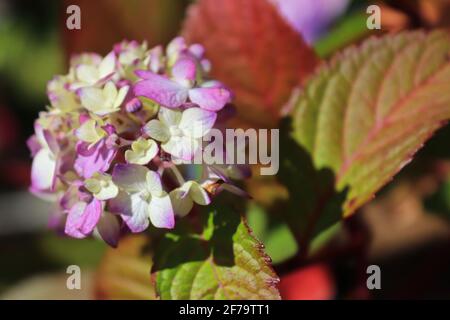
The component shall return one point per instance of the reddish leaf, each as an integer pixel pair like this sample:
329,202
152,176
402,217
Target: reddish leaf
253,51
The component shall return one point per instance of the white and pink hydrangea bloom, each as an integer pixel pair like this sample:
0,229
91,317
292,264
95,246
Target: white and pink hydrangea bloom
142,198
114,128
91,69
180,132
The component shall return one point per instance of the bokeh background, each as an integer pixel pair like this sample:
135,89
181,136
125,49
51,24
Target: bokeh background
405,230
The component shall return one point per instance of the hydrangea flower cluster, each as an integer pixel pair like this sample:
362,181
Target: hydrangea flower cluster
104,150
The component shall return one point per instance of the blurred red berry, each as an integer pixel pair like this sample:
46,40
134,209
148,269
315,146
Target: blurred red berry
313,282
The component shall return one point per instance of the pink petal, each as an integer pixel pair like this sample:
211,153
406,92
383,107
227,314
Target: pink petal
97,158
51,141
212,99
73,220
85,149
91,216
184,69
34,145
166,92
197,50
133,105
143,74
69,198
83,218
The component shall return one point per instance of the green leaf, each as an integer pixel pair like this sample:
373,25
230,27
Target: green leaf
21,52
275,234
222,260
361,119
314,204
351,28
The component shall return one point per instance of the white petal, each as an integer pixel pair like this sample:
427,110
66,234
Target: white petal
108,192
198,194
161,212
107,65
89,132
169,117
181,202
181,147
142,152
87,73
121,96
154,185
43,170
138,221
196,122
152,151
92,98
157,130
110,89
92,185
